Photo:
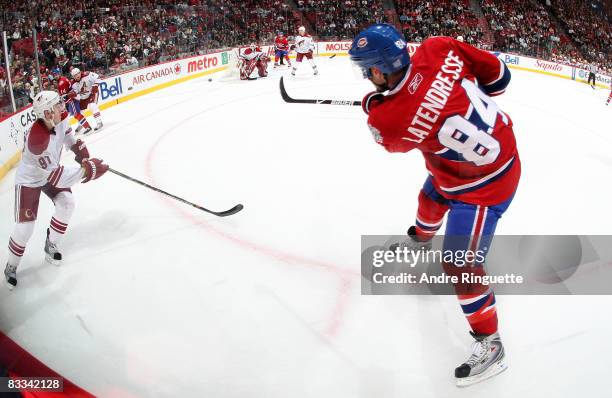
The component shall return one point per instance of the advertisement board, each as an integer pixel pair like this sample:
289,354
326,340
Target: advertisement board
12,133
134,83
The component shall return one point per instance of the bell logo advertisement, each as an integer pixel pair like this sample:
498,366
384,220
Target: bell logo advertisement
512,60
110,89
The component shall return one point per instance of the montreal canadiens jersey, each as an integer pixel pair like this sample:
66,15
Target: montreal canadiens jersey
303,44
443,107
83,87
281,43
64,86
40,161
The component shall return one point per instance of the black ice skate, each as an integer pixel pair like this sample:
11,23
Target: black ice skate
10,274
412,243
487,360
52,254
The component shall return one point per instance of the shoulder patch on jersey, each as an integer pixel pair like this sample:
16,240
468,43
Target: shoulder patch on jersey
38,138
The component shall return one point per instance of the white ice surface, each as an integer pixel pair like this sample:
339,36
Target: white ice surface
158,299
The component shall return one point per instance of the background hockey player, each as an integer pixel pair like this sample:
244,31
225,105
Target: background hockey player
281,50
71,98
304,47
253,57
40,171
439,102
609,96
85,84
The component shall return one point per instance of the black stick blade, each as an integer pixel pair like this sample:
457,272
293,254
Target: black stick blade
290,100
226,213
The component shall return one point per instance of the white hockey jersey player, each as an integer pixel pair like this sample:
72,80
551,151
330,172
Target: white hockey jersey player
85,84
39,172
304,43
253,57
304,47
40,161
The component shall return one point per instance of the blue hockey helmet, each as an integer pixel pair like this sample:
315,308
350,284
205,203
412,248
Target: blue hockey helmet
380,46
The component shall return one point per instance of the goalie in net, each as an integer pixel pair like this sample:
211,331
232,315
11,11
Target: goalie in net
250,58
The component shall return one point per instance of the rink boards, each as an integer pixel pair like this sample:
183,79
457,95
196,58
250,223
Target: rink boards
135,83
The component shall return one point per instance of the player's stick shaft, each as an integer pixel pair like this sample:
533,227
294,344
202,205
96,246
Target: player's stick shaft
225,213
290,100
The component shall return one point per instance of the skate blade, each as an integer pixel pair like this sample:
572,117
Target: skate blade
53,261
493,370
10,287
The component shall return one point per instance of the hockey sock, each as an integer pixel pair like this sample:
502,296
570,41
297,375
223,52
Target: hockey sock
480,312
18,241
64,206
96,111
82,120
477,300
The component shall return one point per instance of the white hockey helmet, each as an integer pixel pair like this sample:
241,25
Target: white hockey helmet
74,72
45,101
302,29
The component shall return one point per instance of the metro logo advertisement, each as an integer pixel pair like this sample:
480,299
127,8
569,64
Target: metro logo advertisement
203,63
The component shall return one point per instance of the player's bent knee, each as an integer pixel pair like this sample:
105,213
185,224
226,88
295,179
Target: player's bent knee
64,203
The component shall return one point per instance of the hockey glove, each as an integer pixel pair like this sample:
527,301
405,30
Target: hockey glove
94,168
372,100
80,151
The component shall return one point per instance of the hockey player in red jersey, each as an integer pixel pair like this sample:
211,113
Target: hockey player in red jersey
85,84
64,87
40,171
281,49
439,102
609,96
251,58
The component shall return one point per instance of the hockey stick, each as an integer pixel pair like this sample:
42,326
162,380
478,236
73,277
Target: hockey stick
290,100
225,213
